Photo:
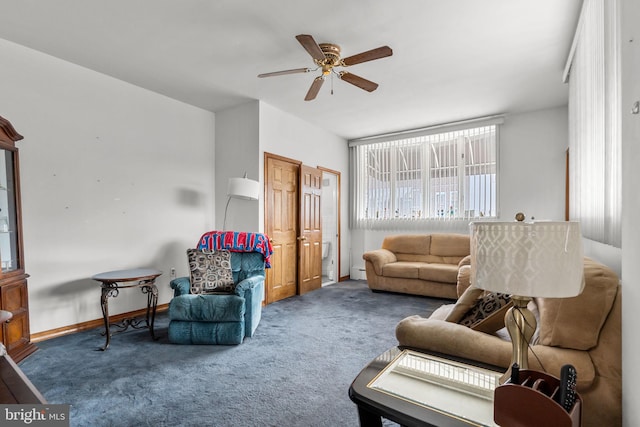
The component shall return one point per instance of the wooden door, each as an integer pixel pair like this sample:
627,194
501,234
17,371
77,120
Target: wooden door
310,236
281,217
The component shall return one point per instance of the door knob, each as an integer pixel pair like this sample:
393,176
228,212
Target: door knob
302,238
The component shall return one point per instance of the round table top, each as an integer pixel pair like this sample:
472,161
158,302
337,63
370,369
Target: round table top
127,275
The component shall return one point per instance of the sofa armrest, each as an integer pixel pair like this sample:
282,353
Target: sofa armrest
463,279
180,286
459,341
464,275
378,258
465,261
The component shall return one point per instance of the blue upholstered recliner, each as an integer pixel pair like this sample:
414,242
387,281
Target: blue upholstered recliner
215,318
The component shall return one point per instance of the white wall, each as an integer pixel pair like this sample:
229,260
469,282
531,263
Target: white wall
630,40
531,176
113,177
286,135
532,164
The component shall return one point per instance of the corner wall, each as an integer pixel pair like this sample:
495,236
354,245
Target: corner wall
245,133
237,152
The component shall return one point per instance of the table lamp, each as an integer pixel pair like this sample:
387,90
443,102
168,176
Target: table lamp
526,259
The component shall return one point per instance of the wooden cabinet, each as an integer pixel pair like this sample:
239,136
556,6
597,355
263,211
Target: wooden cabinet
14,334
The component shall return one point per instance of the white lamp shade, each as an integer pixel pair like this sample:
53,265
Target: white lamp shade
243,188
538,259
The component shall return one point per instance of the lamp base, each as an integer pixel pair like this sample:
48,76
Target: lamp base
521,324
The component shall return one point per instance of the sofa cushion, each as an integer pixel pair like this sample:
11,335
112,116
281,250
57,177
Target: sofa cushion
210,271
446,273
416,244
450,245
405,270
576,322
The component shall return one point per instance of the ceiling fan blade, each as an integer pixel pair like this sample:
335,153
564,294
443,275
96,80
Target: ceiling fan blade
362,83
282,73
311,46
370,55
314,89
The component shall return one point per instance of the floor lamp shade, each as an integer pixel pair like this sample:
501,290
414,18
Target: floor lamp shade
537,259
243,188
240,188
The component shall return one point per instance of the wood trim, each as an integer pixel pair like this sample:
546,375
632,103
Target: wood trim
8,129
278,157
92,324
339,175
343,278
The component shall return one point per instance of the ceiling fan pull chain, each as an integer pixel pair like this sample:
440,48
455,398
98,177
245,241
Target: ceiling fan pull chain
331,83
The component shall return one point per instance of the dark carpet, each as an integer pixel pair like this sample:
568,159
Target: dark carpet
295,371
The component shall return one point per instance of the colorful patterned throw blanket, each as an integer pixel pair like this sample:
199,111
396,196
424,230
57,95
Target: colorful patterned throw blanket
237,241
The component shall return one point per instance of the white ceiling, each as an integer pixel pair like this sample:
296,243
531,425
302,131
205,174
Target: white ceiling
452,60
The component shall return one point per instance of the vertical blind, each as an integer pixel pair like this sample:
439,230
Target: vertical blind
594,124
443,177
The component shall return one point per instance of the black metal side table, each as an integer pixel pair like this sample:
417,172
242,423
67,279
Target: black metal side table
112,281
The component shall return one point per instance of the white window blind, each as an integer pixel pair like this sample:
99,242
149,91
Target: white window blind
594,123
446,177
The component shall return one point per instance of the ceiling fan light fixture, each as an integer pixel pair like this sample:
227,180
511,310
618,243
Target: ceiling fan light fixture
327,56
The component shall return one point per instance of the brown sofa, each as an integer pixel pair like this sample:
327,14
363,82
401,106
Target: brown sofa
419,264
583,331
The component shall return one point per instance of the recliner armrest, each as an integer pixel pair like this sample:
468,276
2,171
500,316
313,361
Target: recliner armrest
248,284
252,290
180,286
379,258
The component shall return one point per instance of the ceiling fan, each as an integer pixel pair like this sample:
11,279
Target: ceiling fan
327,56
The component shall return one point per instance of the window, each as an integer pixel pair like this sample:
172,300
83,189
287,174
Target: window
444,176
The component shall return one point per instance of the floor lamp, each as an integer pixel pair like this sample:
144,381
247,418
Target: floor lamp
525,260
240,188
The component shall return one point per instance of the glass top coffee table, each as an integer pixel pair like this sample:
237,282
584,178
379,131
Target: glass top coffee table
419,389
